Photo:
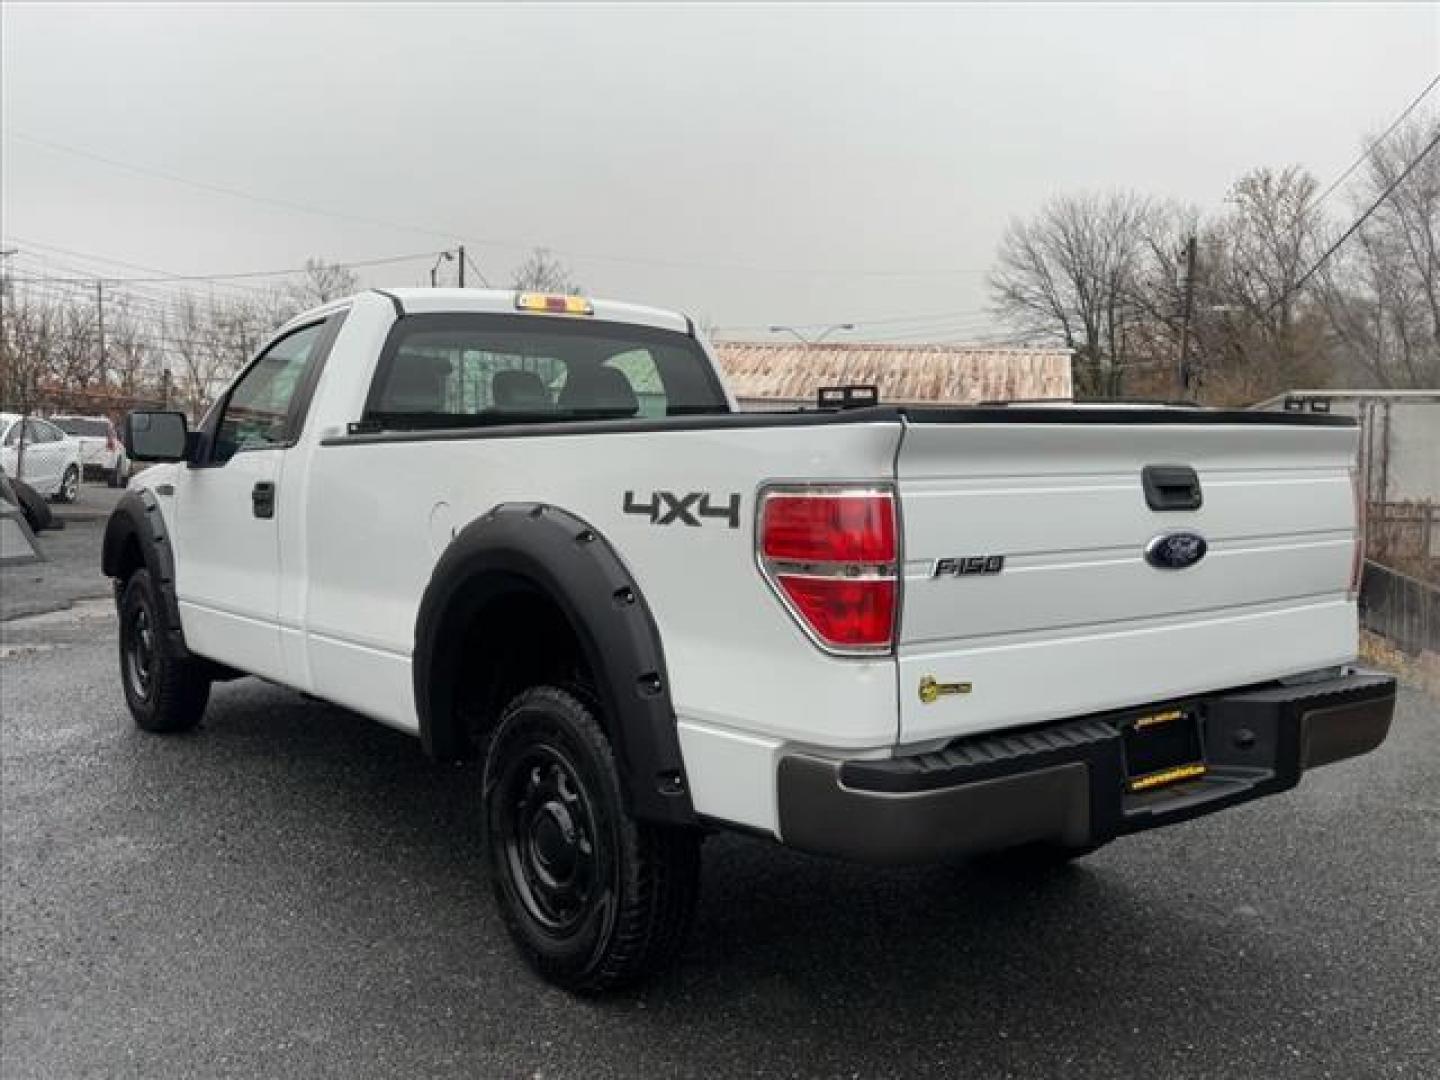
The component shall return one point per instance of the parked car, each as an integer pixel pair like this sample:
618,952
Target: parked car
101,451
889,634
52,458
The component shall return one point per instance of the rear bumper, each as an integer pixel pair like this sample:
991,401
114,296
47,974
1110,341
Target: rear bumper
1065,783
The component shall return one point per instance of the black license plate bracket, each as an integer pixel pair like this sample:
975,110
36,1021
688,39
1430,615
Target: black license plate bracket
1162,748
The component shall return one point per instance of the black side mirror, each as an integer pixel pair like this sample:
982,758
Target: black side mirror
156,436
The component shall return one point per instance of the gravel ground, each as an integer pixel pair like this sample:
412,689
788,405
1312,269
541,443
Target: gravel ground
293,890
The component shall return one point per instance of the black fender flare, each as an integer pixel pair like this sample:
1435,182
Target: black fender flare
137,516
572,565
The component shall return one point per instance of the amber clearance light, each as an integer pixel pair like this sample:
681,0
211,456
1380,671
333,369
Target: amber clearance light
554,305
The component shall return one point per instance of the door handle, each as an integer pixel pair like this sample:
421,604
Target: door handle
262,499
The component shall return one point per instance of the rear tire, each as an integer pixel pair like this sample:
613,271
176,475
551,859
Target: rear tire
594,899
166,693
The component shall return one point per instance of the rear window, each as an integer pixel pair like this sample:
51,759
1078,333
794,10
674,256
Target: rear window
469,370
78,425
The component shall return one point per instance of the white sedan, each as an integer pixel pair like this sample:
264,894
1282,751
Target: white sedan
51,459
100,448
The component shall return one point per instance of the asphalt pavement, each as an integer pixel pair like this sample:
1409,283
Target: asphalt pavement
295,891
71,570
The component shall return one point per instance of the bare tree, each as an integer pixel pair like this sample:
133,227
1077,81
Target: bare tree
1253,333
1382,291
323,282
1074,273
541,271
130,352
29,326
195,338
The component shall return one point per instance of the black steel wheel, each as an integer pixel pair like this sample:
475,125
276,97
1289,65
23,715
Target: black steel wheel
138,658
166,692
547,830
593,898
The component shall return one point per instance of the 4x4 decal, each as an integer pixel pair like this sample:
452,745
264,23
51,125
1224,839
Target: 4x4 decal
671,508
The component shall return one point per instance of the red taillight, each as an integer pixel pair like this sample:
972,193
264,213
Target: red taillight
111,444
857,528
844,612
832,554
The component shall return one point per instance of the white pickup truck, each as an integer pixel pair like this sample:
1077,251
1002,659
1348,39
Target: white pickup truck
535,530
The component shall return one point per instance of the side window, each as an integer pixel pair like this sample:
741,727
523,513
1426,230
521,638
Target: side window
12,437
38,432
257,413
643,374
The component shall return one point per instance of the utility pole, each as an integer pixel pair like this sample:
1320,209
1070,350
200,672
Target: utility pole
1187,310
462,265
100,327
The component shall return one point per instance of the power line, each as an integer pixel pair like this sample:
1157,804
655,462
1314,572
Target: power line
450,234
237,275
478,272
939,316
87,257
220,189
1389,188
1376,144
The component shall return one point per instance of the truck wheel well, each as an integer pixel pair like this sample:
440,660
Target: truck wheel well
130,558
529,593
517,638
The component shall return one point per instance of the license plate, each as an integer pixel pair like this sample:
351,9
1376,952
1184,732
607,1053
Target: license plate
1163,748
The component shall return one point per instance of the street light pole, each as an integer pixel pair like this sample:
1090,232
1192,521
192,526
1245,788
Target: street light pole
818,338
444,256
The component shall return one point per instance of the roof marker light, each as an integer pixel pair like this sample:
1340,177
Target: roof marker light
551,304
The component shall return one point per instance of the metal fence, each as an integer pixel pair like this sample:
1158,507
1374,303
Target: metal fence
1403,609
1405,536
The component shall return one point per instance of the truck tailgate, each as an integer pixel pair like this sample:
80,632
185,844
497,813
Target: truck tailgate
1078,620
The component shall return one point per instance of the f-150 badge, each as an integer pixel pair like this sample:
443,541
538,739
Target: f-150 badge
690,508
968,565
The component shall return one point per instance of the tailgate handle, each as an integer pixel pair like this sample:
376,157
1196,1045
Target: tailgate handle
1171,487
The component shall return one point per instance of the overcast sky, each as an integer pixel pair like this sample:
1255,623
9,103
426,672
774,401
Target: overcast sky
747,164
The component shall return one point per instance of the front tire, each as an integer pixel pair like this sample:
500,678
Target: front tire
69,489
166,693
594,899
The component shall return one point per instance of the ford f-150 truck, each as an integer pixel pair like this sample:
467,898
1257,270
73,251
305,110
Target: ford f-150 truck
535,530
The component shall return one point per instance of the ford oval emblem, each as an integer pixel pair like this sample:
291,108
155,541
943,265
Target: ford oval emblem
1175,551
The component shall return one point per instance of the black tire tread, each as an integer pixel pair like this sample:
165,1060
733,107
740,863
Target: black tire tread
659,866
180,686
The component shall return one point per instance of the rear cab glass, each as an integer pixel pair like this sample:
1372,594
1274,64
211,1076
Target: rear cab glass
470,370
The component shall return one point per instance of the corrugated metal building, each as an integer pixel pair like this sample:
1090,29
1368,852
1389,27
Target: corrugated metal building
777,375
